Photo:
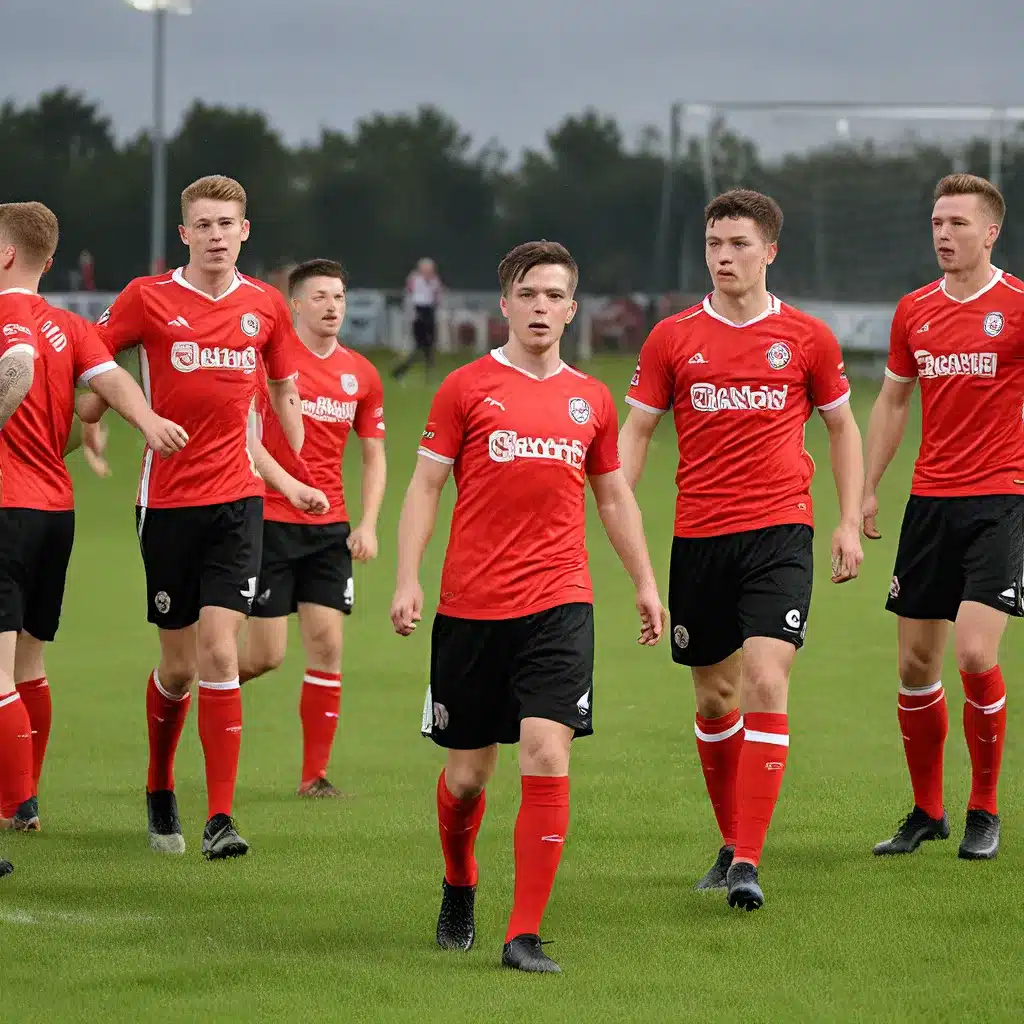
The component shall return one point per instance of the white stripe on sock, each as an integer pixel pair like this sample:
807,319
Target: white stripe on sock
989,709
920,691
317,681
717,737
10,699
779,739
169,696
231,684
938,700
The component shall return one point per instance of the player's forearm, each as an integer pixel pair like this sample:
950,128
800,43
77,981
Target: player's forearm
633,445
886,427
847,457
415,528
624,525
89,407
273,474
16,373
74,437
117,389
374,482
284,397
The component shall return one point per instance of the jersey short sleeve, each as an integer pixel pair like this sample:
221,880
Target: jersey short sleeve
91,356
277,352
652,384
442,438
830,386
369,418
122,325
17,325
901,365
603,453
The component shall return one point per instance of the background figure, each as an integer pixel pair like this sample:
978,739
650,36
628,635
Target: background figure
423,288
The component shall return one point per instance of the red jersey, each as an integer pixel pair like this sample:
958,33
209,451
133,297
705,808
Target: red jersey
339,392
200,361
969,357
67,351
522,449
741,394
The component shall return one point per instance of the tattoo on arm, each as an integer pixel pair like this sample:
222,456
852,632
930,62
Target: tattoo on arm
15,381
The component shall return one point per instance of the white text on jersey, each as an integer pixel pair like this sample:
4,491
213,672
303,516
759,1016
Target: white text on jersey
506,445
187,356
711,398
329,410
962,364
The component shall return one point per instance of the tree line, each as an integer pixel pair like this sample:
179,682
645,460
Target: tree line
404,185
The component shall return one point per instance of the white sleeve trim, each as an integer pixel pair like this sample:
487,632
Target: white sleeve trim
646,408
21,347
897,377
845,397
443,459
281,380
95,371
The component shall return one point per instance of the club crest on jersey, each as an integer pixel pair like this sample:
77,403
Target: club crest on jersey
779,355
579,410
993,324
349,384
104,316
250,325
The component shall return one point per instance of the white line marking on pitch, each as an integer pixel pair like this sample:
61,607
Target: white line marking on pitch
70,917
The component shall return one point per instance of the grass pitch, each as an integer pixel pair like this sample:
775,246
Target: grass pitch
331,917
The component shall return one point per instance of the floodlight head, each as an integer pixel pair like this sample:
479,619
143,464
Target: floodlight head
173,6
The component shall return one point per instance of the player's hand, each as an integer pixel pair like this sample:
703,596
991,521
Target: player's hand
653,616
407,608
165,437
309,499
869,513
362,542
94,447
847,554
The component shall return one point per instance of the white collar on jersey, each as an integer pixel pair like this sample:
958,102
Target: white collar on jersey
993,281
774,306
499,355
17,291
178,277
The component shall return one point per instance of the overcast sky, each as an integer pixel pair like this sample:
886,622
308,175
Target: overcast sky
511,70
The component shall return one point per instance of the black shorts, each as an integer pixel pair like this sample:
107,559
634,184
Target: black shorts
959,549
200,556
486,676
724,590
35,549
304,564
424,327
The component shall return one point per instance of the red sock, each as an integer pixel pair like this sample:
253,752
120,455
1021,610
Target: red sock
319,707
539,836
924,724
220,732
165,716
35,694
762,765
719,742
985,730
15,754
458,822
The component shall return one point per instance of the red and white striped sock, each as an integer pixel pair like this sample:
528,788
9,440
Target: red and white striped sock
319,710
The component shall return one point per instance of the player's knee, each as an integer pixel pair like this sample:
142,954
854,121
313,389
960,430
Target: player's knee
218,657
466,780
323,650
542,755
176,676
765,684
715,696
975,654
919,666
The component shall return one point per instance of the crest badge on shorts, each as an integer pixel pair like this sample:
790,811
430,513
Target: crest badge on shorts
681,636
250,325
349,384
992,325
779,355
579,410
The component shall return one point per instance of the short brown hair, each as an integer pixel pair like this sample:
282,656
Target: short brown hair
314,268
213,186
32,228
523,258
973,185
745,202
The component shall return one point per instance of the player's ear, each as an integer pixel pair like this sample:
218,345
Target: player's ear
8,254
992,235
245,230
49,263
504,307
183,233
573,306
773,251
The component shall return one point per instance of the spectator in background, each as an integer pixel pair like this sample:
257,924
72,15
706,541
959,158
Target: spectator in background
423,291
87,269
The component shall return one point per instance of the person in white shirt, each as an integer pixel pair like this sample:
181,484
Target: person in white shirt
423,290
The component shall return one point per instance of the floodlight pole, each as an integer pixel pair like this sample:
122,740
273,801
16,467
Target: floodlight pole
158,213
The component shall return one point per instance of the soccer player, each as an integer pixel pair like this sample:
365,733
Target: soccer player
742,373
512,645
961,545
203,330
45,351
307,559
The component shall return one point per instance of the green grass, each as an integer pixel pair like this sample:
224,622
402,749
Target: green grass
331,918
